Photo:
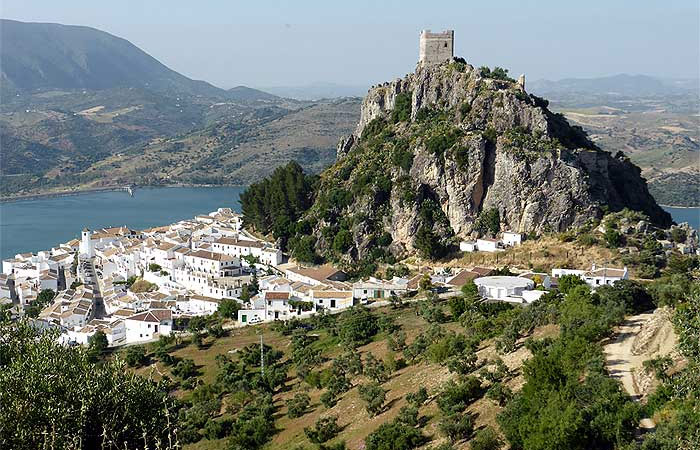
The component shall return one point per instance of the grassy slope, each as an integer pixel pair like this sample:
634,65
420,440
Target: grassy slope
355,422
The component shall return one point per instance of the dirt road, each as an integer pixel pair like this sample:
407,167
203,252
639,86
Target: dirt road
639,338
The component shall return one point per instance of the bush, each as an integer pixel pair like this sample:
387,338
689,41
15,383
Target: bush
499,393
357,326
374,397
135,356
486,439
456,396
394,436
324,430
417,398
185,369
328,399
297,406
402,107
342,241
457,426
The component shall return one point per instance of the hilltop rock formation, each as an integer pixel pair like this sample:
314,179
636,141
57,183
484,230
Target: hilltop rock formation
437,150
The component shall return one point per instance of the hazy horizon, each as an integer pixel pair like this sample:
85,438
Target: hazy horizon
295,44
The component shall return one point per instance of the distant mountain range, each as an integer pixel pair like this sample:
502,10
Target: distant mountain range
622,84
317,91
84,108
49,55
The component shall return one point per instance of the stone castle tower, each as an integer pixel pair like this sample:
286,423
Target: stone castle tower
436,48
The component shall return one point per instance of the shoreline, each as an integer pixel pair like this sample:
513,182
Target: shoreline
679,207
108,189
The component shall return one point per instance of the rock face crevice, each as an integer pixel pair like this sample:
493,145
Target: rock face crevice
501,149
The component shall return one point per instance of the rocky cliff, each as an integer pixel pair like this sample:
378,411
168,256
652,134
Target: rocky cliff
451,152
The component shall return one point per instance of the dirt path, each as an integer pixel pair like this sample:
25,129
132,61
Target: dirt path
639,338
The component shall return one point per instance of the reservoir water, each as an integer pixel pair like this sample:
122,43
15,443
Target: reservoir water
39,224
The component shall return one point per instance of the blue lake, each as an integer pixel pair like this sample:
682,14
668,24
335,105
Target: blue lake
39,224
690,215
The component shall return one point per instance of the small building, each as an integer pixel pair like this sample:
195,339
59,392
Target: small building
604,276
489,245
315,275
331,299
148,325
467,246
254,312
505,288
374,288
511,239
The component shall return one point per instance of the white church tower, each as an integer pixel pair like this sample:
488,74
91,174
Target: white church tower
86,247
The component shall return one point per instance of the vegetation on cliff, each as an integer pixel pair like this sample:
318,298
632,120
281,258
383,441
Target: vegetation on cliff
452,153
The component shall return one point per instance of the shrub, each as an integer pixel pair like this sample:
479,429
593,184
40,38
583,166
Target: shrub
408,415
324,430
328,399
297,406
374,397
456,396
135,356
394,436
486,439
457,426
417,398
402,107
356,326
499,393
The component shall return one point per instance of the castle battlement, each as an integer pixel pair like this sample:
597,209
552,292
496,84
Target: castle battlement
436,48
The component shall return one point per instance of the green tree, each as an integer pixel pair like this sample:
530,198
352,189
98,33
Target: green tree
342,241
97,344
374,397
39,383
228,308
457,426
325,429
297,406
394,436
488,222
486,439
135,356
356,326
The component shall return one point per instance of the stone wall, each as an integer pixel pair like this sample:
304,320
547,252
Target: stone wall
436,48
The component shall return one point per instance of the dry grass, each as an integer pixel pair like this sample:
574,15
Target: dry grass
543,254
352,417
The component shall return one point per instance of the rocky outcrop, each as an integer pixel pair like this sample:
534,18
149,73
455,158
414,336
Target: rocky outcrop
468,144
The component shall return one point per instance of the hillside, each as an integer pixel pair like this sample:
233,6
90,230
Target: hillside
82,108
49,55
653,121
452,152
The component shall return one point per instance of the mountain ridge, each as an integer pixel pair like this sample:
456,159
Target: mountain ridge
451,153
37,55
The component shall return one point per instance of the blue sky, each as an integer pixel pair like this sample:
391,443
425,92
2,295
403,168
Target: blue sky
360,42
